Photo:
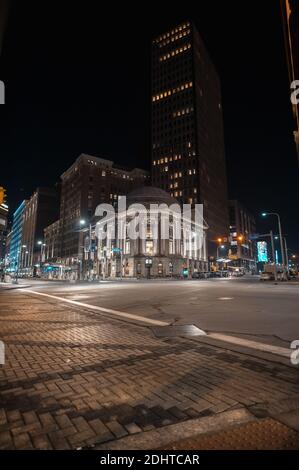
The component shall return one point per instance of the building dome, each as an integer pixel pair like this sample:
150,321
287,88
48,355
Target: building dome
150,195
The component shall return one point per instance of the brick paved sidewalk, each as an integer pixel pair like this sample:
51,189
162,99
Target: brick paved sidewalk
73,378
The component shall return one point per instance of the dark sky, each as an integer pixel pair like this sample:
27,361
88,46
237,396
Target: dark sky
78,80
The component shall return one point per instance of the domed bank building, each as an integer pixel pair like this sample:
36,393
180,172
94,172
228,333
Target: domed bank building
152,255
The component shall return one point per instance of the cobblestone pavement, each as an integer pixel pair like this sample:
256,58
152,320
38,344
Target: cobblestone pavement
73,378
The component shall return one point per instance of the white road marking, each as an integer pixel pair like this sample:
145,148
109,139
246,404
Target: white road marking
100,309
225,298
252,344
79,296
222,337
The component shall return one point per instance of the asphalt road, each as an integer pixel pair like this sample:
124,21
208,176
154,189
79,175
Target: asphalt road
244,307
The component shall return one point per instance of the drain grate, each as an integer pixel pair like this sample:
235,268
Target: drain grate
177,330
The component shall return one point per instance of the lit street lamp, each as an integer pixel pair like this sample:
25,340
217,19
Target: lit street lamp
42,245
82,223
222,248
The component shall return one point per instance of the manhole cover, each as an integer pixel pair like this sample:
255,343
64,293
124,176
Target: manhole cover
177,330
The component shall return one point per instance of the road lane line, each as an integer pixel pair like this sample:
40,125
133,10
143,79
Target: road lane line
100,309
252,344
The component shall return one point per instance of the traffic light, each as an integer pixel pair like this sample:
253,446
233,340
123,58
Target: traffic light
2,195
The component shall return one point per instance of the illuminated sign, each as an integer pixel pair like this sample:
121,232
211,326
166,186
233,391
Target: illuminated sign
262,252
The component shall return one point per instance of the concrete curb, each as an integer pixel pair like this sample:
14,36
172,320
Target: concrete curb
166,435
266,356
10,286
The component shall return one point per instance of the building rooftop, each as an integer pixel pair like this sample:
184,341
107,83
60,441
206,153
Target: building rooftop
150,194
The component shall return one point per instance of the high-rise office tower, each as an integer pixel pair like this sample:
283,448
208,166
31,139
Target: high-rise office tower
290,14
188,158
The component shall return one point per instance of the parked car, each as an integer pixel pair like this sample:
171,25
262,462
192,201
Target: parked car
215,274
200,275
196,275
266,276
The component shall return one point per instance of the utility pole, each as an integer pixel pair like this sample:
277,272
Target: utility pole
286,254
281,246
265,214
273,255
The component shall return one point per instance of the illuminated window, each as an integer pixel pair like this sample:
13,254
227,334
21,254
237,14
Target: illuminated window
149,247
164,94
127,247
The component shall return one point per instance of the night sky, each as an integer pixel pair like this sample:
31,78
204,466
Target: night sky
78,80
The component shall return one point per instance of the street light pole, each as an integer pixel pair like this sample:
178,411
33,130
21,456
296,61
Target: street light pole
280,237
281,244
42,245
286,254
20,252
273,255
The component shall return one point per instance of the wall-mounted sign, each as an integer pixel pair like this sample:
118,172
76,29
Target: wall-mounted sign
262,252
